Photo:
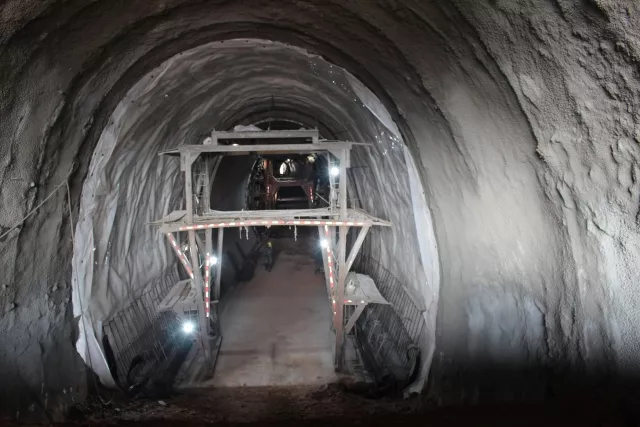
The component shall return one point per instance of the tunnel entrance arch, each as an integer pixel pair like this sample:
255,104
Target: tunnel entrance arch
336,120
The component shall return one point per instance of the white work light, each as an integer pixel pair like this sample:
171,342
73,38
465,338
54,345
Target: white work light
334,171
188,327
213,260
324,243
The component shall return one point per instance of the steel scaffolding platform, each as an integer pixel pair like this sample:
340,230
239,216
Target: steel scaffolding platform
337,216
176,221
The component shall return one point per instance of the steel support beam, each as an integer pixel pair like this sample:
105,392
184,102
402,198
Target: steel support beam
216,136
339,317
188,185
354,318
356,246
183,259
198,282
332,147
342,186
323,234
216,289
186,161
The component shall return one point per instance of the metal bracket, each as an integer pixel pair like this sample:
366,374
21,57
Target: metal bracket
354,318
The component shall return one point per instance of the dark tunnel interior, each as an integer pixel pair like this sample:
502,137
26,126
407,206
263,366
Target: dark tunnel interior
503,151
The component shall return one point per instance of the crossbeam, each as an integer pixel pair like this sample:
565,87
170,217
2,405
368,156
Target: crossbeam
263,148
273,134
240,219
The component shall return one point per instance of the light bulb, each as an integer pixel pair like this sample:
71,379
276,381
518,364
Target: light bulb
188,327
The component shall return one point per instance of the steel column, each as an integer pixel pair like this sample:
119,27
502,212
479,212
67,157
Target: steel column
199,284
356,246
323,234
216,290
354,318
187,161
339,317
188,185
183,259
343,185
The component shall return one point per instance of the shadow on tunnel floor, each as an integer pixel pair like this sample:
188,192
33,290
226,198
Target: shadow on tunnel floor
335,405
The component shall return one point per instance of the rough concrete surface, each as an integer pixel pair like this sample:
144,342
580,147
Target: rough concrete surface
117,254
276,327
522,118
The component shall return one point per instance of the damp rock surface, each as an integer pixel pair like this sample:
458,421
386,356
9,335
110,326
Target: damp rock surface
522,118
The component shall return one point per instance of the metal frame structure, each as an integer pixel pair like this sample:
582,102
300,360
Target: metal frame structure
336,216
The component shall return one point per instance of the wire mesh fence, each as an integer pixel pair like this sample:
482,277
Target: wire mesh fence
388,335
139,339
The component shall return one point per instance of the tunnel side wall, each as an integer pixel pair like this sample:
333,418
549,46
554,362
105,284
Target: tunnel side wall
522,119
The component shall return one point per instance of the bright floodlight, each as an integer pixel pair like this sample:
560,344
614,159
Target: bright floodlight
334,171
324,243
188,327
213,260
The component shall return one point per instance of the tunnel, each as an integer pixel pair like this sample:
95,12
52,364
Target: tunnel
501,147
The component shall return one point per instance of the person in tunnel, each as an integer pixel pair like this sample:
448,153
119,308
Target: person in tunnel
268,256
318,256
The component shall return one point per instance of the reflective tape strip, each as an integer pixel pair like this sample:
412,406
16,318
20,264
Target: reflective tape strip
272,222
180,254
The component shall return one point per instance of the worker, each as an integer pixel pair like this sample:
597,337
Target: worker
318,254
268,256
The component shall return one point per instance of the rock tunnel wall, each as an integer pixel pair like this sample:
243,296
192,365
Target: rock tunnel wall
522,118
128,185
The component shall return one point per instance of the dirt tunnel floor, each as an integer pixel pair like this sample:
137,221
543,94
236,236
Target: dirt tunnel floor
277,328
327,406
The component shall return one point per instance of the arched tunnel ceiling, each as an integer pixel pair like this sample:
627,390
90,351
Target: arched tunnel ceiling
215,86
522,118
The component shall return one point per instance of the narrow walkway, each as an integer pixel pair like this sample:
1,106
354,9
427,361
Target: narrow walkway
276,328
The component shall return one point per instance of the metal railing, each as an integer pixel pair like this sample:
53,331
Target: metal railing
139,339
388,335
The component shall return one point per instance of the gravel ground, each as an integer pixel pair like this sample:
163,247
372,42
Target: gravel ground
331,406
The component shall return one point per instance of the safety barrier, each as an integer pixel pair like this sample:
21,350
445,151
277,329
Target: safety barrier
389,335
140,341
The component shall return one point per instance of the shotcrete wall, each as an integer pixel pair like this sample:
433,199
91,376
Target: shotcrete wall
128,186
521,117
